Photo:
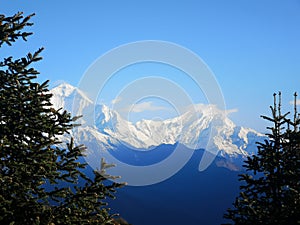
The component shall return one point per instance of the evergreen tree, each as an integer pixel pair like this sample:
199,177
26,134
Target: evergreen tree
31,156
270,194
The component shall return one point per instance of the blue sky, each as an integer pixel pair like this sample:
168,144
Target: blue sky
252,47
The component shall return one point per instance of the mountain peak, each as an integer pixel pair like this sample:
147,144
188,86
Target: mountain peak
65,95
63,89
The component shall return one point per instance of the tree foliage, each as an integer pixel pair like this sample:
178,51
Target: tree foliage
270,193
38,177
11,28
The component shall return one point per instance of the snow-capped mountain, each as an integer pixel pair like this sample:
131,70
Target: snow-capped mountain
204,127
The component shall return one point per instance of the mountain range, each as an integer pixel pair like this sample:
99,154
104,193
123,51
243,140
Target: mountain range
204,127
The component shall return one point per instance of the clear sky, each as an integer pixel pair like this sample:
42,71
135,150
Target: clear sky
252,47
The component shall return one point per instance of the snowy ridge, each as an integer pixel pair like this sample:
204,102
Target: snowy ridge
193,129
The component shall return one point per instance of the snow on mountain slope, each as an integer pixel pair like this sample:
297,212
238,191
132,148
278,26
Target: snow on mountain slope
70,98
205,127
